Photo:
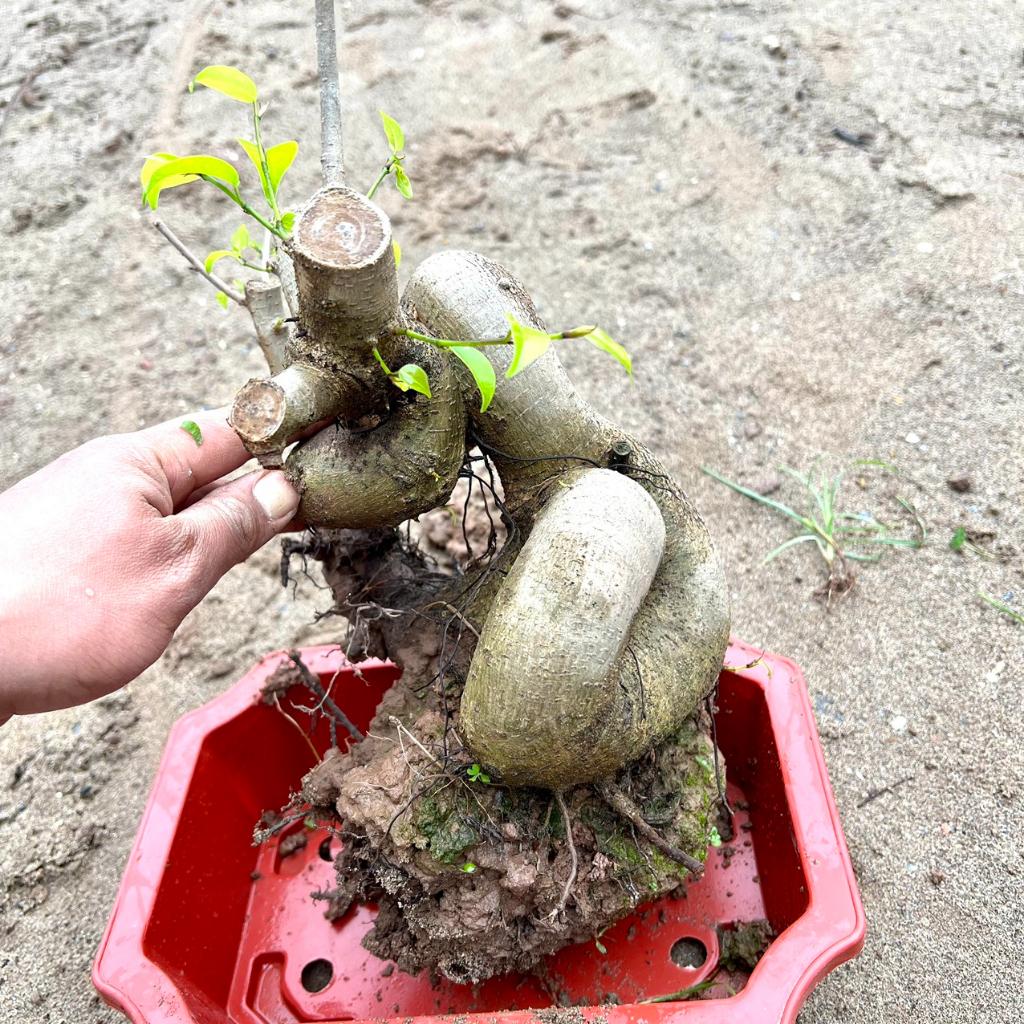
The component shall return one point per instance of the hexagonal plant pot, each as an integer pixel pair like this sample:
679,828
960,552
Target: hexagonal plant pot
209,929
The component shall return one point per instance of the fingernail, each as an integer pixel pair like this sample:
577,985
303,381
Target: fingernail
275,495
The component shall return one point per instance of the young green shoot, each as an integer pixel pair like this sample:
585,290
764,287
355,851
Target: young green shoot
962,541
476,774
528,343
163,171
839,537
394,167
409,377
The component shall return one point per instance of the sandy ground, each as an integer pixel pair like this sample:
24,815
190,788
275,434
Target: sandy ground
670,171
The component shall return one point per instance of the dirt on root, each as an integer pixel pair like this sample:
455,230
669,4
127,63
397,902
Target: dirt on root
473,879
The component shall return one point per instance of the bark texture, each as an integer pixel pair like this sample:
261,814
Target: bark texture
568,665
671,652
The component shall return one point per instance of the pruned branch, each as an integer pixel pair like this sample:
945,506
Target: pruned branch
269,414
197,265
264,300
331,154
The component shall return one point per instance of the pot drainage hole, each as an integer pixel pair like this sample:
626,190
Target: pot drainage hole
687,952
316,975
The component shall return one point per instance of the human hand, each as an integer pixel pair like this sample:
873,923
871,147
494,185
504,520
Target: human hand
104,552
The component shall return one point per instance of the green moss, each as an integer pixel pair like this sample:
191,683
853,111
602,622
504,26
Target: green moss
442,823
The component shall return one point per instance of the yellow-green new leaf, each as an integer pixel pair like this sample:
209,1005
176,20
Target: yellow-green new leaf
253,153
529,345
279,159
393,130
228,81
240,239
402,182
184,169
412,378
605,343
480,367
397,250
218,254
151,164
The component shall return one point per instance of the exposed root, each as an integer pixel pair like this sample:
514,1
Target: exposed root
621,804
574,863
312,683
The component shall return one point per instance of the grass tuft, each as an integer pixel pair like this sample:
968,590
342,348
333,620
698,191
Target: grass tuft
839,537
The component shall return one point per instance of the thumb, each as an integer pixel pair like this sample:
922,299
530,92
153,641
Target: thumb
231,522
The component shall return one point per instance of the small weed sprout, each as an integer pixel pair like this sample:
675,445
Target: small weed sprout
839,536
476,774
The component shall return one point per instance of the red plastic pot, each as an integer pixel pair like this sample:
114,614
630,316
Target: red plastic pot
209,929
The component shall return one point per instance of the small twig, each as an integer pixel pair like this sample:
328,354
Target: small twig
197,263
331,154
401,728
874,794
621,804
26,84
455,611
314,684
574,863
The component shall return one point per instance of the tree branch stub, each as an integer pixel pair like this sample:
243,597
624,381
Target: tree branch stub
345,272
269,414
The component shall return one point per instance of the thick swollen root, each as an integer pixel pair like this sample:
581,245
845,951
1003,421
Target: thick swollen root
538,430
469,877
538,691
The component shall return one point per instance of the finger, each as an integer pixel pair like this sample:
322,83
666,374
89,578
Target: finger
188,464
297,523
232,522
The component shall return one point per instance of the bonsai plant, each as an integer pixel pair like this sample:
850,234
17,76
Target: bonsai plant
546,761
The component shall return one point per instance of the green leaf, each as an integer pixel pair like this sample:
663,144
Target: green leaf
227,81
240,240
177,172
151,164
402,182
397,250
192,429
288,220
252,151
411,378
469,867
714,838
529,344
607,344
222,298
1001,606
601,947
480,367
279,159
801,539
393,130
218,254
959,538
